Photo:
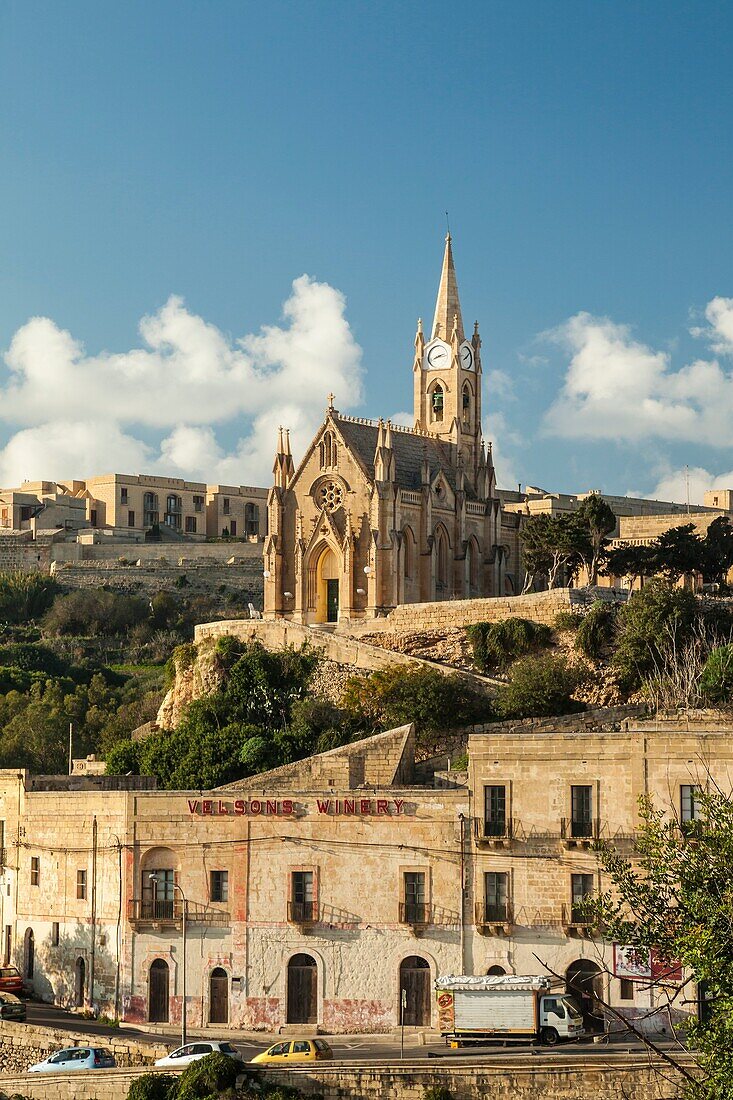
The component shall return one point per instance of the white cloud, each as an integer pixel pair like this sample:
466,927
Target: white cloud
618,388
674,484
187,378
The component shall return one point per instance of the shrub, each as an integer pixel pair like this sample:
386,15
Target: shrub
658,612
497,645
153,1086
567,620
92,612
25,596
208,1076
123,758
716,682
540,686
436,1092
596,630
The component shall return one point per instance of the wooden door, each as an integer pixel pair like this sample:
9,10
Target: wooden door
302,990
332,601
218,997
158,993
415,981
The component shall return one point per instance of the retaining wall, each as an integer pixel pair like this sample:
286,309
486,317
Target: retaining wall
22,1045
241,579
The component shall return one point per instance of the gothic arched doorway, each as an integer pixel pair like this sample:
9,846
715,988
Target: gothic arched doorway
80,982
158,992
302,990
328,596
218,996
584,982
415,982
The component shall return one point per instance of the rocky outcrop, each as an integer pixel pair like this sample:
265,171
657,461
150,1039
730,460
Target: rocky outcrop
198,672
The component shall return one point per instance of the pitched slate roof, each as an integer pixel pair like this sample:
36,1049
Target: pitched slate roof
410,448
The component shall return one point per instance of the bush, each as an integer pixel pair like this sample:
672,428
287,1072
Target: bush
567,620
25,596
208,1077
716,682
497,645
123,758
656,614
153,1086
91,612
596,630
540,686
437,1092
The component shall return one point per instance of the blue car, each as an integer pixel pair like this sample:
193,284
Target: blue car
74,1059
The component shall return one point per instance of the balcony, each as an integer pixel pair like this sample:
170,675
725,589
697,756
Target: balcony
576,922
416,914
303,913
494,920
579,834
493,833
158,914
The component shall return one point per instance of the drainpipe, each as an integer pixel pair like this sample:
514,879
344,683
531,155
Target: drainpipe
94,911
119,923
462,904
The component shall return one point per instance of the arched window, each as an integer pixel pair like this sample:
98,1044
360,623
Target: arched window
466,402
436,401
408,553
328,451
151,515
441,564
173,509
159,874
495,972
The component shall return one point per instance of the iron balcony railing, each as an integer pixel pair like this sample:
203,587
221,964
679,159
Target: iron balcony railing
494,913
416,913
573,829
302,912
575,918
493,829
148,910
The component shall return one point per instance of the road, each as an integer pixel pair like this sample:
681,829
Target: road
347,1048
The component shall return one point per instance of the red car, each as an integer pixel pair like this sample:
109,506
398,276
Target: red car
11,980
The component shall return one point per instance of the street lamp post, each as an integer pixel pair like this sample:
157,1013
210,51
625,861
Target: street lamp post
183,953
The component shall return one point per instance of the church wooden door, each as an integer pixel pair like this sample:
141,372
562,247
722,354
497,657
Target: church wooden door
332,601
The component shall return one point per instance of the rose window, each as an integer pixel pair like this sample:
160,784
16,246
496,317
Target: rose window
331,496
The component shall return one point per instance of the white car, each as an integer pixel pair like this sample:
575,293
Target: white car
193,1051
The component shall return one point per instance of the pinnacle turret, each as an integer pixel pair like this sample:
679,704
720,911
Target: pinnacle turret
448,307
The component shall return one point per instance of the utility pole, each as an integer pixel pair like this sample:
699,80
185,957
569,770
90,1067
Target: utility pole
94,911
71,734
687,488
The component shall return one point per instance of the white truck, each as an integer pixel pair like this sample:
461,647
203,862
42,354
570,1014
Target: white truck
506,1007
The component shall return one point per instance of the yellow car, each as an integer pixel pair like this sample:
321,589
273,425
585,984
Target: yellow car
295,1050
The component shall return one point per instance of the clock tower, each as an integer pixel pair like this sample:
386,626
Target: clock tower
447,376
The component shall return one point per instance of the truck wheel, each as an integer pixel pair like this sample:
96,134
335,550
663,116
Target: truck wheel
548,1037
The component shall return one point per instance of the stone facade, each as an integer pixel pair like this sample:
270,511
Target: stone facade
316,891
378,515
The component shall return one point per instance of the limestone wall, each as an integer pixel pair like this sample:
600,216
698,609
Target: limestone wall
18,552
539,607
241,580
22,1045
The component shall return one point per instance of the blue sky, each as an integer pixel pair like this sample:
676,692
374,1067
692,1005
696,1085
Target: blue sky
216,152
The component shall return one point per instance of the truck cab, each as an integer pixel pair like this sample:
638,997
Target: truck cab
560,1018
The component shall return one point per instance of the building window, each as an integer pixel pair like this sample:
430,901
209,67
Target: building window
173,508
123,495
81,884
190,525
8,949
92,517
328,451
415,909
466,402
151,515
495,810
626,992
233,528
198,504
689,802
5,519
35,870
496,895
436,402
159,894
251,519
55,934
302,896
581,811
225,506
582,888
219,885
130,519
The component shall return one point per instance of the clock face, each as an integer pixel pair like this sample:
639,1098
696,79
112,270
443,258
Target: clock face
466,355
437,356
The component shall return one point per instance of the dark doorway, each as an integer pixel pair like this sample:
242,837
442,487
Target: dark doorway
80,982
158,992
302,990
584,982
218,997
704,1003
30,953
332,601
415,981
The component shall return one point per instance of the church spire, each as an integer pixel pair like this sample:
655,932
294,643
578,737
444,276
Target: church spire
448,307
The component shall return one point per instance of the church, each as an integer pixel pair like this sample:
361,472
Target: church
377,514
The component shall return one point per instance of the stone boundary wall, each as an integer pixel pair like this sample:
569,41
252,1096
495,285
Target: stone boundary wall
21,553
276,633
100,1084
156,552
242,577
22,1045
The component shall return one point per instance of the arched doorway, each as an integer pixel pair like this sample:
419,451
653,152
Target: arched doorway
443,588
327,587
584,982
158,992
30,953
302,990
80,982
495,972
218,996
415,981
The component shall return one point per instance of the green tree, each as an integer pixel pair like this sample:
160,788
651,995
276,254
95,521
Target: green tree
596,630
656,615
596,516
717,551
628,560
675,898
553,545
678,552
716,682
496,645
540,686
